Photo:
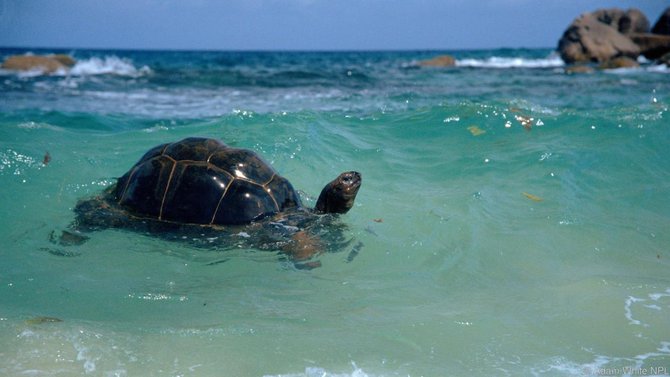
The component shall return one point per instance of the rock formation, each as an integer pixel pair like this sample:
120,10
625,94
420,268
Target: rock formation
606,34
652,46
662,26
439,61
665,59
588,39
625,22
46,64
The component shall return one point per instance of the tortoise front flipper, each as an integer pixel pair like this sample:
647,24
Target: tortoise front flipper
302,248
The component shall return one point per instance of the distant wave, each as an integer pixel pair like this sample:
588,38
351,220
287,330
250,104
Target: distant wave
109,65
551,61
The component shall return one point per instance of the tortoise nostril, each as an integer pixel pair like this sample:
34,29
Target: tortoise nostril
350,178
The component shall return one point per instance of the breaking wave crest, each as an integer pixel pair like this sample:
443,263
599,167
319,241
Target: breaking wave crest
109,65
552,61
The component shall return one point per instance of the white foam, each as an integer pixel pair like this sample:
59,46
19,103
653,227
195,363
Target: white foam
84,354
30,73
552,61
654,68
611,366
657,296
63,350
660,68
109,65
30,125
320,372
631,301
645,363
628,311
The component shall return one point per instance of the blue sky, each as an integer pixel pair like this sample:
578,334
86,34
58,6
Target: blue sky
296,24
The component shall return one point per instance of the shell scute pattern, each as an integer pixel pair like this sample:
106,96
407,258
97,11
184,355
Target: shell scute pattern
194,192
193,149
245,200
243,164
143,187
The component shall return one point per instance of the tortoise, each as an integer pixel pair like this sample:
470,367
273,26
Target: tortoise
201,186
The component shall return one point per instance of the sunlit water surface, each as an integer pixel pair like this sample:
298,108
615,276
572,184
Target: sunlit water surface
514,219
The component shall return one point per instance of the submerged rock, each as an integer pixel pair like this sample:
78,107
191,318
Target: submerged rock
579,68
42,319
619,62
439,61
46,64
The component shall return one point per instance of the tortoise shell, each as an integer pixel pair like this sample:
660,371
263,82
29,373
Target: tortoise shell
204,181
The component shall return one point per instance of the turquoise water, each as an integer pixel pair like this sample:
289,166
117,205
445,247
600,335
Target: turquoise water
489,247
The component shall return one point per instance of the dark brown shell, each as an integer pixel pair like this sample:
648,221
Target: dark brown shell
203,181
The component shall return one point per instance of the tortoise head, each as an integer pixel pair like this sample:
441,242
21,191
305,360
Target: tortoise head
338,196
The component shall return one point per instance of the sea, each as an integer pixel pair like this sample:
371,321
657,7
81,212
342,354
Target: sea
514,220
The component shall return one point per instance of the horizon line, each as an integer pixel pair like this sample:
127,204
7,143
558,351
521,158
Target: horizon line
278,50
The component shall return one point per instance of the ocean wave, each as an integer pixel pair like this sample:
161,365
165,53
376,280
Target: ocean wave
109,65
552,61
